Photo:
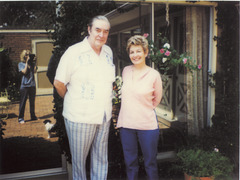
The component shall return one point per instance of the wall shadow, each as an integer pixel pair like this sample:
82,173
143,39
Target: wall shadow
21,154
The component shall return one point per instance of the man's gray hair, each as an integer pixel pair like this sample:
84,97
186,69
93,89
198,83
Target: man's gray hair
99,17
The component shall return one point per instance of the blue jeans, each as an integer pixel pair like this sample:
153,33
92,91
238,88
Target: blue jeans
24,94
148,140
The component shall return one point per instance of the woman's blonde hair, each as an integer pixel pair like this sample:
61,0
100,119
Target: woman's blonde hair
137,40
22,55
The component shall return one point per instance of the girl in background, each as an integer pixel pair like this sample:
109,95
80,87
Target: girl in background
27,67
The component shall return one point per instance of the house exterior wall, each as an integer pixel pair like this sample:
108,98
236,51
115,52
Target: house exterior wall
18,41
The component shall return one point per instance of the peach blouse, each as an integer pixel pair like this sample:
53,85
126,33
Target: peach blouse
139,99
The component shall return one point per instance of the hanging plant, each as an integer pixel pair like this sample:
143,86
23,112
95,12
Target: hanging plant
166,58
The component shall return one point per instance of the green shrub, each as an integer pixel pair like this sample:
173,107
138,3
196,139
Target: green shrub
201,163
10,79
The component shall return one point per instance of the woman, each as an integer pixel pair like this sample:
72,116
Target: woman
27,67
141,93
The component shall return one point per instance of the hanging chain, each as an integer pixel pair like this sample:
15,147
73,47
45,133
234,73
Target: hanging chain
167,13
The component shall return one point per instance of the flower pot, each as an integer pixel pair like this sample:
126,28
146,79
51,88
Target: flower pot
187,177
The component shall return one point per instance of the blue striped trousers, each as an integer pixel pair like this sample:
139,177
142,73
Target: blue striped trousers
83,137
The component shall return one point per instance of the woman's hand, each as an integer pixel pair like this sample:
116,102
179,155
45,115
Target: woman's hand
27,59
24,71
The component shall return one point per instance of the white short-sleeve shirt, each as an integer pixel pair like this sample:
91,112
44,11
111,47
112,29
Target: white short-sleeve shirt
88,78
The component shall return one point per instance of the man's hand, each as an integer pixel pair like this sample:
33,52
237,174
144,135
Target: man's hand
60,87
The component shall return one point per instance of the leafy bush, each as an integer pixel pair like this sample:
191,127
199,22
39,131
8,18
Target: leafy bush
9,76
224,133
201,163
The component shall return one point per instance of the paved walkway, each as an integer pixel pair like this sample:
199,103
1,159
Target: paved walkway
43,110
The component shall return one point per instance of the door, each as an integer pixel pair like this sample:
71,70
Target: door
43,49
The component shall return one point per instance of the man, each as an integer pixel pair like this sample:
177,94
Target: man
84,79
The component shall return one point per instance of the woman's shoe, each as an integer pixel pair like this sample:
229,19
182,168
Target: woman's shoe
34,118
21,121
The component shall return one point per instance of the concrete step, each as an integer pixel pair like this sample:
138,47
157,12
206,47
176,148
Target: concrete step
166,156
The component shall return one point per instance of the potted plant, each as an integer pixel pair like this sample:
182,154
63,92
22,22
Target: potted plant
203,165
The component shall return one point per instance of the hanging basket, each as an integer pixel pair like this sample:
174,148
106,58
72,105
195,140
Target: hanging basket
187,177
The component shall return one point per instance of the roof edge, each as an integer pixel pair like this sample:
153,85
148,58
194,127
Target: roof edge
24,31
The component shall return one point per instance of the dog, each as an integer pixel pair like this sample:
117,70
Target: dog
49,127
